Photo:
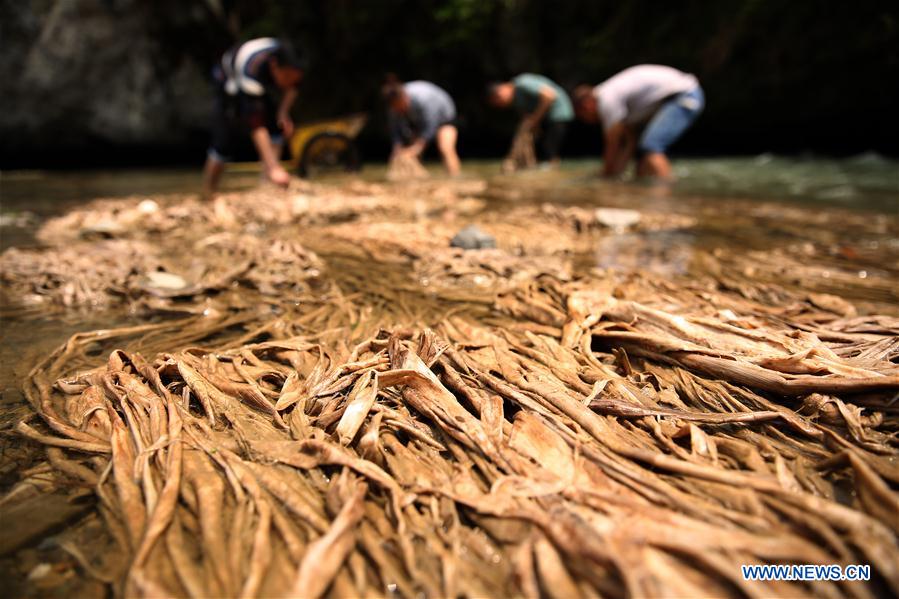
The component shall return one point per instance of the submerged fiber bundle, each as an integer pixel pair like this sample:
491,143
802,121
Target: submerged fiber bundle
391,416
600,447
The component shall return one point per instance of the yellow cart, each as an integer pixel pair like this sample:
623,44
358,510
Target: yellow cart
326,145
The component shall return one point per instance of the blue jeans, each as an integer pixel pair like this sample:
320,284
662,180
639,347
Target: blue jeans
671,120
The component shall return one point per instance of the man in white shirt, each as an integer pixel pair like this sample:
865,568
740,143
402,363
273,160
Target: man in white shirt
256,85
645,108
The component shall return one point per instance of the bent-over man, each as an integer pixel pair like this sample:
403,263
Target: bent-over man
643,110
256,85
419,112
543,105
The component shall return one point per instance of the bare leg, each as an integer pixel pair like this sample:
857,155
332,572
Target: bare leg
212,174
655,164
446,143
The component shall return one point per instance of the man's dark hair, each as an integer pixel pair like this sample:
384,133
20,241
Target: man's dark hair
287,55
581,93
392,88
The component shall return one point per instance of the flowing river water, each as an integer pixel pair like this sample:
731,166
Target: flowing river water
841,214
847,206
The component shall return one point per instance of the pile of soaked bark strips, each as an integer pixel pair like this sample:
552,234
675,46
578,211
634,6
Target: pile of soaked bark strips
321,398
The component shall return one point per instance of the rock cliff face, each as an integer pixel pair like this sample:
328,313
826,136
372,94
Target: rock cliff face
81,73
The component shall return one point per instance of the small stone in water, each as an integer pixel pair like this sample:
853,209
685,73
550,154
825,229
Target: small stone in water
300,204
103,228
40,571
617,218
165,280
472,238
148,207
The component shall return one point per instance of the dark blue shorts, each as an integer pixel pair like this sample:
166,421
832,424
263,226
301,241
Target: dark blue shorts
671,120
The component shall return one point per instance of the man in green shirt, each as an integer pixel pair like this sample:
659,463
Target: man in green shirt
541,102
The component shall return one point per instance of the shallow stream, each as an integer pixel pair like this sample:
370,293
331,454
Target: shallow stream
845,211
811,225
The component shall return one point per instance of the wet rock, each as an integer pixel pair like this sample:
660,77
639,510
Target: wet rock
106,229
148,207
617,218
162,282
472,238
300,204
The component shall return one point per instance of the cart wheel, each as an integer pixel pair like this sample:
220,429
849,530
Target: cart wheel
328,152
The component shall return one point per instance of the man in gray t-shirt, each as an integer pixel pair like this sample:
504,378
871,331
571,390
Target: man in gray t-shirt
418,112
653,102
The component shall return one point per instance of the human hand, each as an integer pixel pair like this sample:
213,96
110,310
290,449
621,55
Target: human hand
278,176
415,149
